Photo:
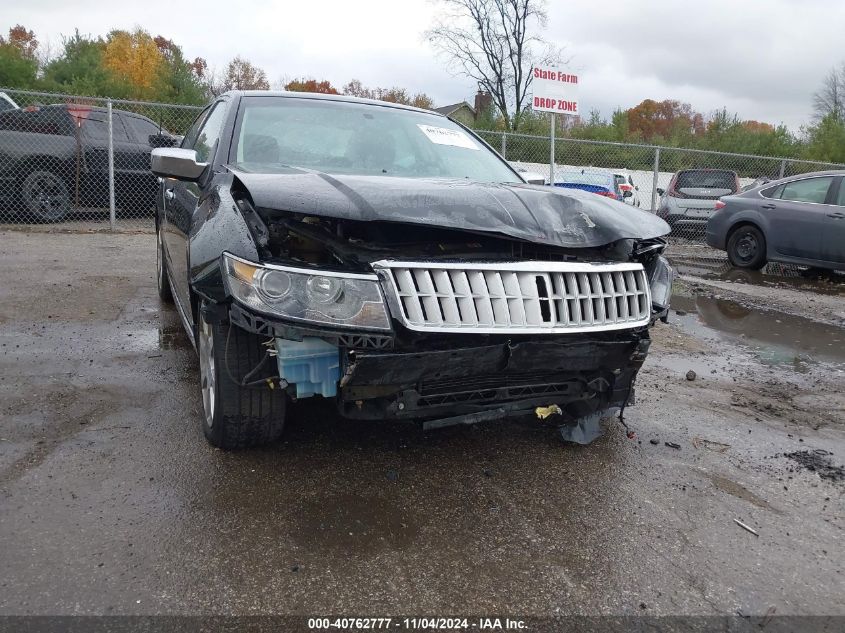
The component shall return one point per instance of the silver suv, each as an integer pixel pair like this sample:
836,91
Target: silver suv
692,195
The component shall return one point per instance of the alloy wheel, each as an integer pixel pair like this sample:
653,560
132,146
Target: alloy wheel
208,374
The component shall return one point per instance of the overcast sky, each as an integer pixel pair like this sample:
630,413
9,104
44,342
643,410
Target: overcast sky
761,59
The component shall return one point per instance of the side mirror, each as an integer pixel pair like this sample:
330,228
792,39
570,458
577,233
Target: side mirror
174,162
627,193
533,178
660,191
162,140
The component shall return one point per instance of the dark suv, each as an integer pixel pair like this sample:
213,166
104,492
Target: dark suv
387,259
55,158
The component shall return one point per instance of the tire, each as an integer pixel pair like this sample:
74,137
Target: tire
235,416
162,278
747,248
45,196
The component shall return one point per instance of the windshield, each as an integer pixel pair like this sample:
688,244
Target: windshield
586,178
335,137
707,179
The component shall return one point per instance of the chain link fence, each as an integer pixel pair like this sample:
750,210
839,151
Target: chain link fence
83,162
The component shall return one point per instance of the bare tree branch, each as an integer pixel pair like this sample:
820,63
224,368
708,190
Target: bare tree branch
496,43
830,98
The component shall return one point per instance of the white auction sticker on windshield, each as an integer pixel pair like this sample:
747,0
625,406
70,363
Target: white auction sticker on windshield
446,136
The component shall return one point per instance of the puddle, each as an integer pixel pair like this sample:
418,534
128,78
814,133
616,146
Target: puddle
773,337
772,275
158,338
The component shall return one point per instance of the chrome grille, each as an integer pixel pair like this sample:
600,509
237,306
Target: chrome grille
523,297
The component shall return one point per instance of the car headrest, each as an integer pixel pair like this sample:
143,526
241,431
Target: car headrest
260,148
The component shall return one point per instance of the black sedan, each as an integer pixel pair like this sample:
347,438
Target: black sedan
387,259
797,220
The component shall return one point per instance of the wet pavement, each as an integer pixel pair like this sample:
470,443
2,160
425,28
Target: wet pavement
111,502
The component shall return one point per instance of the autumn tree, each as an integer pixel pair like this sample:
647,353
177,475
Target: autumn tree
497,44
311,85
651,120
393,95
241,74
134,59
18,62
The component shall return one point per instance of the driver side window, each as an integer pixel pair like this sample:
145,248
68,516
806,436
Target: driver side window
209,133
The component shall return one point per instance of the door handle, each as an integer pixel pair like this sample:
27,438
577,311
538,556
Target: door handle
837,215
168,194
769,206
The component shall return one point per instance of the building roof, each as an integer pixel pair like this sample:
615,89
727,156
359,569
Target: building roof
449,109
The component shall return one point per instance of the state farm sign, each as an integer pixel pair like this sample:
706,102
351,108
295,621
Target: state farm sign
554,91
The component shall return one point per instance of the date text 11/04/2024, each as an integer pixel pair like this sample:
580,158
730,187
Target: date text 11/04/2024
412,624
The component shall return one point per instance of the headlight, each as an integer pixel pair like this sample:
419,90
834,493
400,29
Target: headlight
661,275
318,297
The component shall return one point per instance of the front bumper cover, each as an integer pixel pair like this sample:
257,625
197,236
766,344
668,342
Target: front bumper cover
406,375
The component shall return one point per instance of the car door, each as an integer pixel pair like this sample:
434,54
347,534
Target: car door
182,198
143,180
796,214
833,235
94,127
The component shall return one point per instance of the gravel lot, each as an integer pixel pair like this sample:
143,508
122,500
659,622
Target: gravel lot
111,502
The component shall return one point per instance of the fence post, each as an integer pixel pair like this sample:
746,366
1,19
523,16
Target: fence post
111,166
552,151
504,145
782,169
654,181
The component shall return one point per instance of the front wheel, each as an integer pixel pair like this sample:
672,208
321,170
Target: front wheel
242,405
45,196
162,279
747,248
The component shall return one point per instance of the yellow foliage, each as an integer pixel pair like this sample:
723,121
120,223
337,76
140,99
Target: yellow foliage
134,58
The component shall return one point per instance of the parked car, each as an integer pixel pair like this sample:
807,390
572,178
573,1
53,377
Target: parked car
625,183
692,195
387,259
796,220
53,158
598,182
7,103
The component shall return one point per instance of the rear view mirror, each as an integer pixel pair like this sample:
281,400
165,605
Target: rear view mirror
174,162
162,140
533,178
660,191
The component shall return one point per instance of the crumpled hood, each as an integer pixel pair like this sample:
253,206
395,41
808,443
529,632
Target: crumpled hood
535,213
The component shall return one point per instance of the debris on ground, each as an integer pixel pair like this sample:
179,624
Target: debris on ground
544,412
655,442
746,527
719,447
691,375
818,461
672,445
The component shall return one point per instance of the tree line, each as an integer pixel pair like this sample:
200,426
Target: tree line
137,65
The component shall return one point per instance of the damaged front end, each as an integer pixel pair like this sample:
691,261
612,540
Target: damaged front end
403,321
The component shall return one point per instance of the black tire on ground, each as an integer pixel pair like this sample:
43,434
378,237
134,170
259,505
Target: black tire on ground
162,278
235,416
747,247
45,196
